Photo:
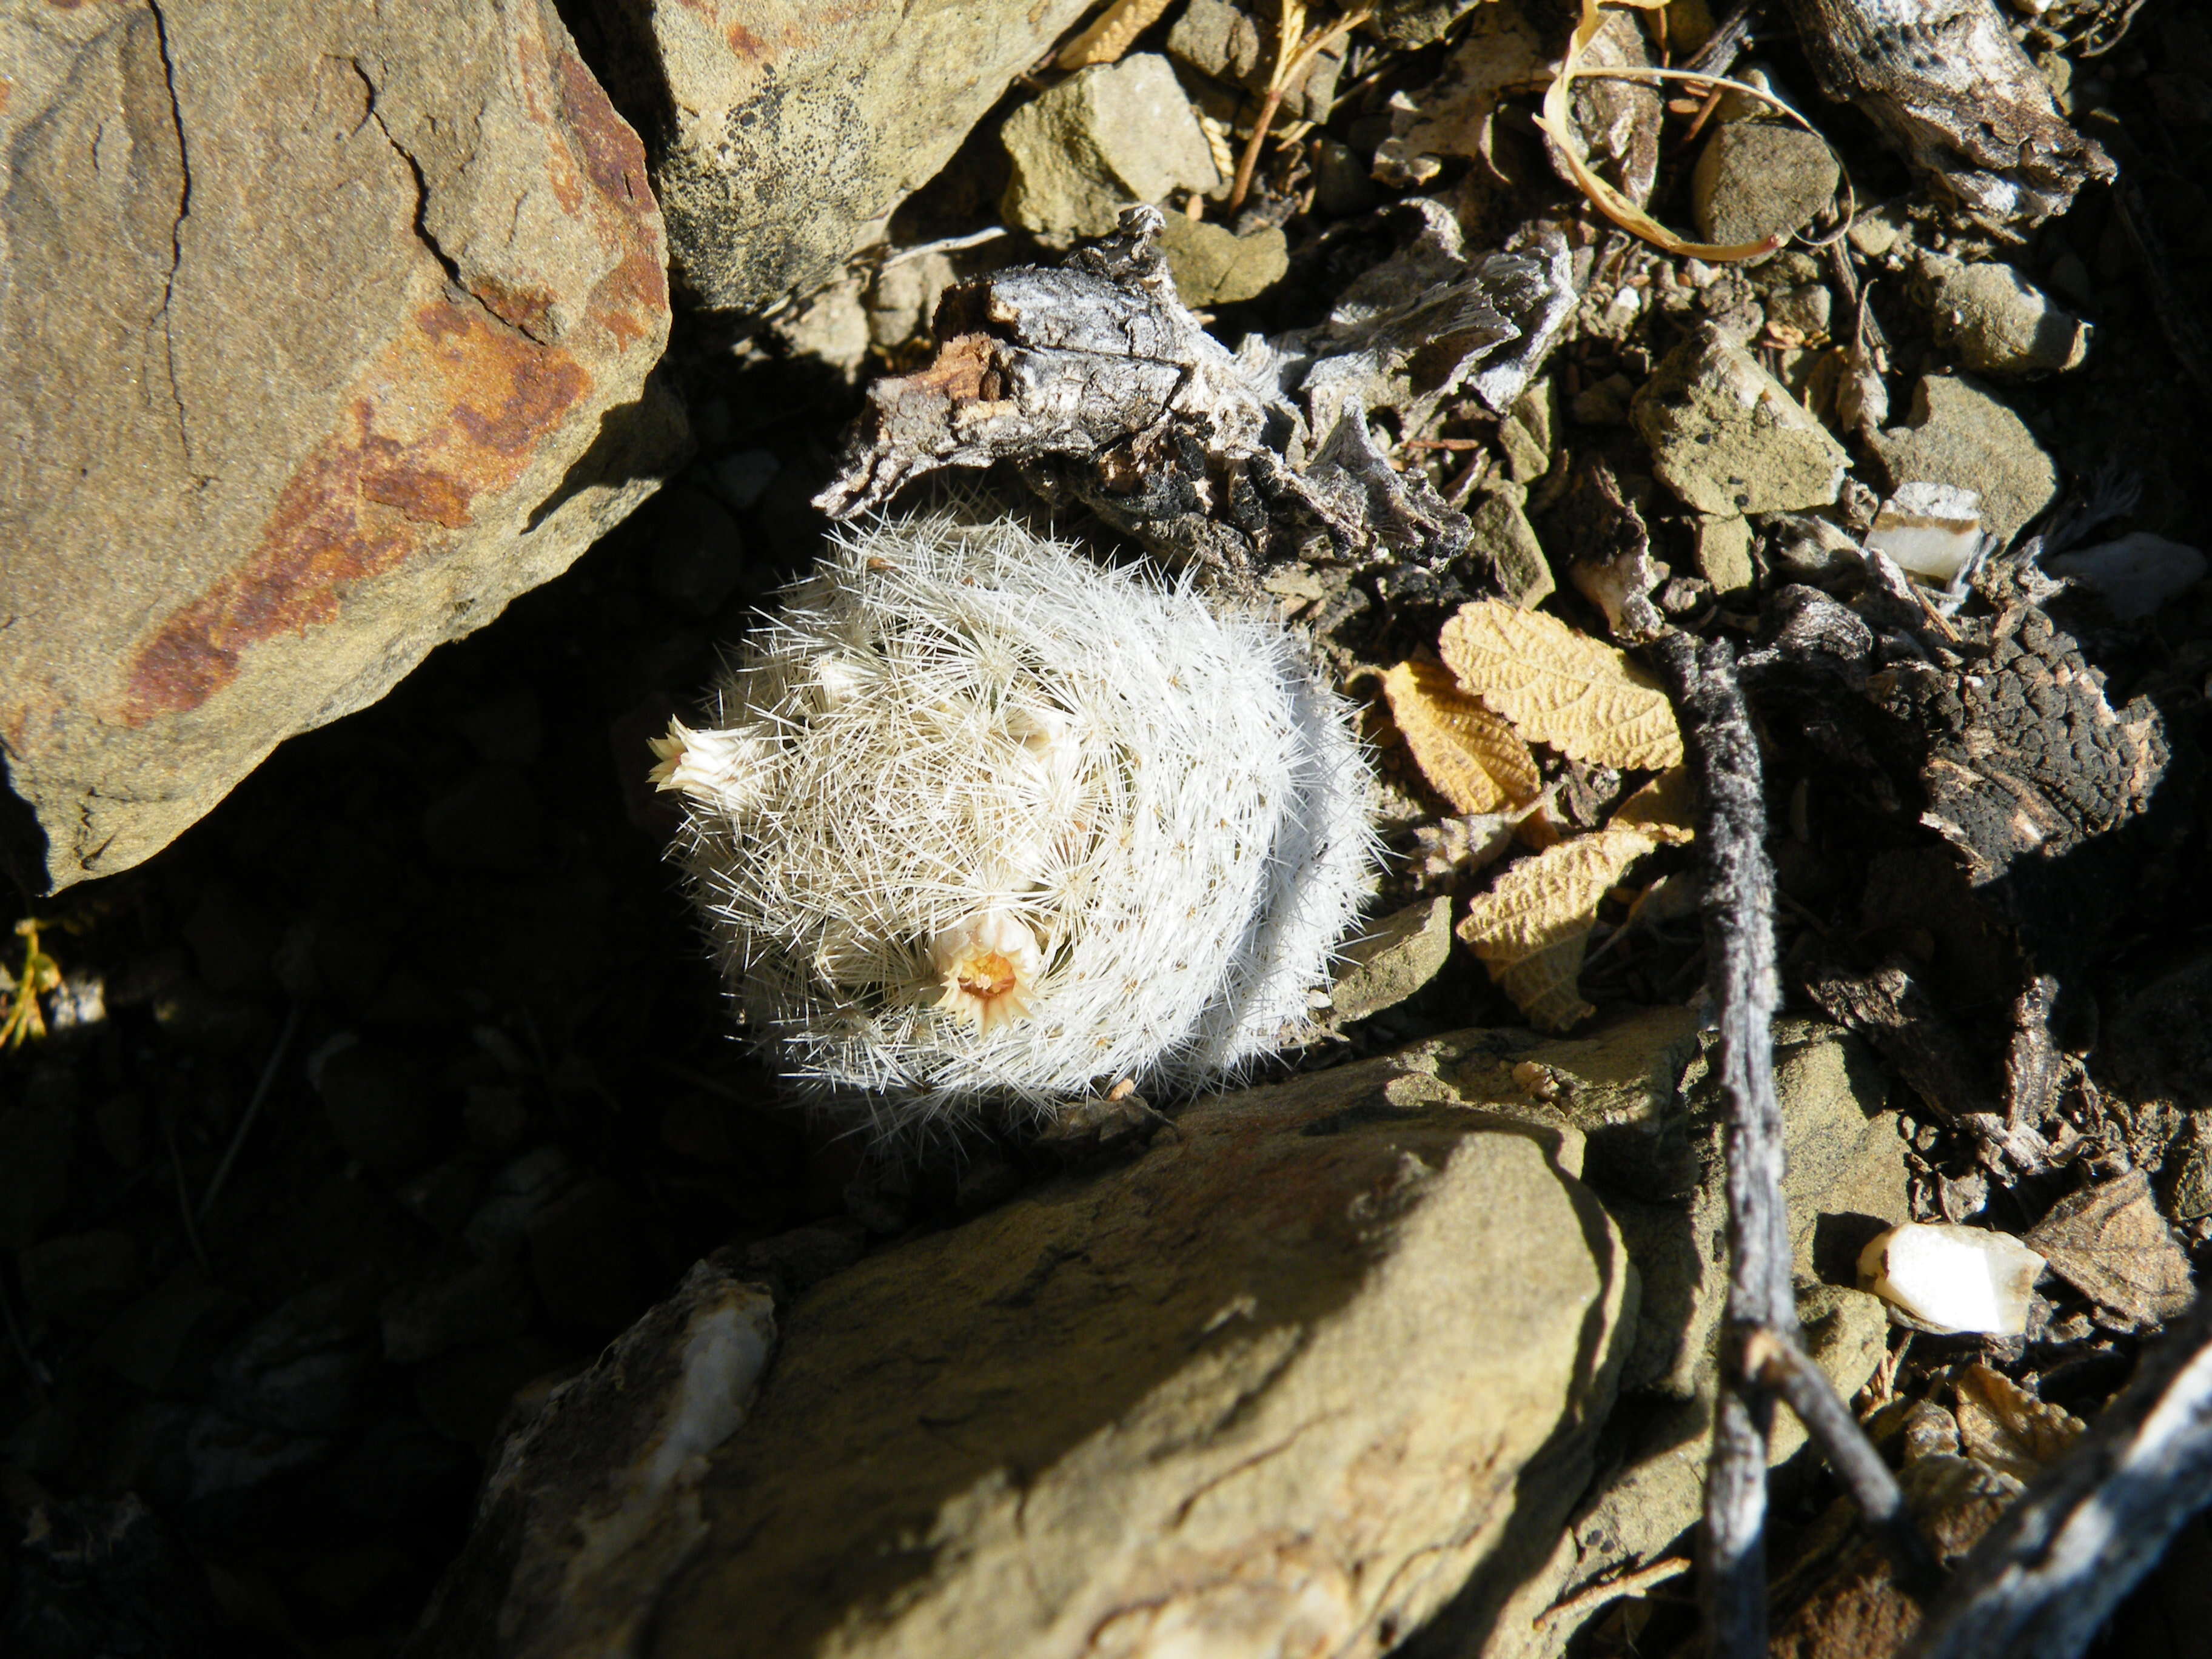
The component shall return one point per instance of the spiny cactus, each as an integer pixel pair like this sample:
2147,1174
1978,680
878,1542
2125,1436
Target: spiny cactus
978,822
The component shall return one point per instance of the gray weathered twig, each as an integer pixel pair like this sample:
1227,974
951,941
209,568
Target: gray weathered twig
2052,1570
1785,1368
1724,753
1760,1351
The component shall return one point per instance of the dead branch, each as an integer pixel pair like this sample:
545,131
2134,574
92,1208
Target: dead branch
1740,944
1784,1368
2052,1570
1760,1350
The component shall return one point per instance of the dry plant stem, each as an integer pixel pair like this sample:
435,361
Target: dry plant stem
252,1111
1760,1350
1784,1368
1279,84
1727,41
1572,1610
2063,1557
1723,756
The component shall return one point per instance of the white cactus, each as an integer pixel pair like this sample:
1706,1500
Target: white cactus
980,822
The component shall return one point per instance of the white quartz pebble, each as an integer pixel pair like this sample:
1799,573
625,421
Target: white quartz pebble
1952,1278
1931,530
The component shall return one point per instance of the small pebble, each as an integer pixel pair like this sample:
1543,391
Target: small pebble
1953,1280
2134,575
1932,531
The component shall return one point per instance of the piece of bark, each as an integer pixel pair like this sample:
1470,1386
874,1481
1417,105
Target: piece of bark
1102,388
1945,84
2025,755
2111,1244
1894,1014
1595,529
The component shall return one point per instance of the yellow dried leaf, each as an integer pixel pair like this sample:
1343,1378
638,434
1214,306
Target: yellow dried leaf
1666,808
1559,687
2008,1428
1531,929
1116,29
1469,754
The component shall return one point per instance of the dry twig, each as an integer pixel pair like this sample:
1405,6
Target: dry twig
1290,61
1760,1351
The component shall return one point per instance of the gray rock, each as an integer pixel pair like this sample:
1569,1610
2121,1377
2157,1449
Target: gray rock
830,326
1393,959
1104,137
1526,431
1755,179
698,551
615,1461
1501,537
1640,1510
2134,574
305,1369
1232,44
1343,186
1724,552
1845,1181
1214,266
520,1188
1605,403
903,298
792,131
164,1338
1960,434
1804,309
1998,323
273,431
1170,1406
1728,439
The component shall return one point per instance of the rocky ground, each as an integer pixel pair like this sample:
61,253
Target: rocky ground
343,1120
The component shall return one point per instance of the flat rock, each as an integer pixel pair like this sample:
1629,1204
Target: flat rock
1104,137
1724,553
1999,323
1727,436
1501,537
1214,266
1755,179
1393,959
788,132
1222,1399
1960,434
328,329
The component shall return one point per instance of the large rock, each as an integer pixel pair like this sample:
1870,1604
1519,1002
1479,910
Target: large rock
326,329
1324,1353
787,131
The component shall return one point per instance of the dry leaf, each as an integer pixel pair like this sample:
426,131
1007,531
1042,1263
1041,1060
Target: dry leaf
1469,754
2110,1244
1558,687
1665,809
2008,1428
1116,31
1531,928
